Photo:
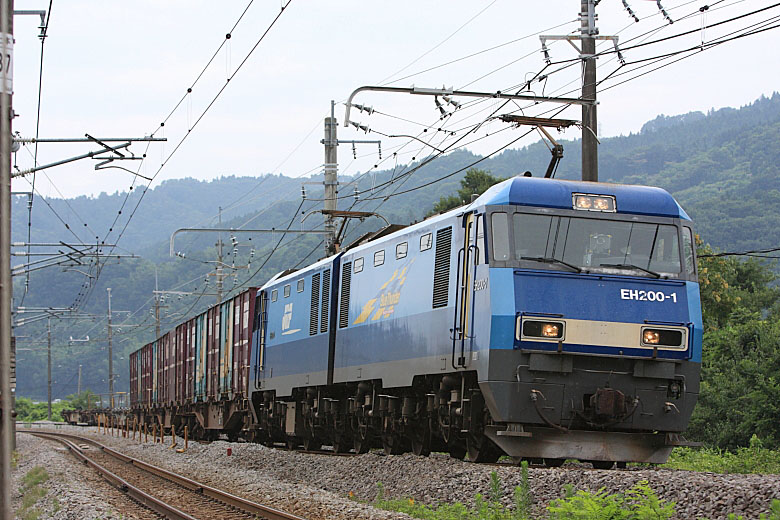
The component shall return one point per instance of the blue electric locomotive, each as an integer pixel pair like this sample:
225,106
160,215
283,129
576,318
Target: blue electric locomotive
547,319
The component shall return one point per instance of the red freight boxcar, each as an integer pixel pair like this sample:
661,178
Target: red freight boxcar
243,311
134,380
147,374
185,361
212,358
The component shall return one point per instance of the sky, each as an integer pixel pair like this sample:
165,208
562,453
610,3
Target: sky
117,69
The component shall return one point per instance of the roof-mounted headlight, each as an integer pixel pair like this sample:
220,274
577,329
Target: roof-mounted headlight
589,202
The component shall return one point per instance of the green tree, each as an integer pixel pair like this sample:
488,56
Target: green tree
734,291
740,388
476,182
82,401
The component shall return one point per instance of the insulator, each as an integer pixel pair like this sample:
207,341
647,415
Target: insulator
439,105
451,101
303,192
369,110
357,194
546,53
380,150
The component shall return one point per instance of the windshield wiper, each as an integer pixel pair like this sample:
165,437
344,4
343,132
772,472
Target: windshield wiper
631,266
549,260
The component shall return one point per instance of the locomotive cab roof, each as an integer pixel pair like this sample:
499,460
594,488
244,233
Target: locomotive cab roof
552,193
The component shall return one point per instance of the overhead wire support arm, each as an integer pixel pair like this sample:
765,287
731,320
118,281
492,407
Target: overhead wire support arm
465,93
115,149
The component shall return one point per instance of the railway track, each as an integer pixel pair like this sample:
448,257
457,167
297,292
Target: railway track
168,494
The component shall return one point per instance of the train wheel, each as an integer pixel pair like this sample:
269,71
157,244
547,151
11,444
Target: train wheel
361,441
392,444
421,442
457,451
554,463
341,443
602,464
482,449
311,444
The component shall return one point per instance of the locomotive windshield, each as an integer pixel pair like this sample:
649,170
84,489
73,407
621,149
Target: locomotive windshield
587,244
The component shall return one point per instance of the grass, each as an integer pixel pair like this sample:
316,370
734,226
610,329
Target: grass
753,459
32,492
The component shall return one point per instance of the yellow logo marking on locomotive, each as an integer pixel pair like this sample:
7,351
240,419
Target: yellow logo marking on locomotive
388,299
390,280
366,312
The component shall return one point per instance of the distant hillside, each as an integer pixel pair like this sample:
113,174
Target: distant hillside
721,166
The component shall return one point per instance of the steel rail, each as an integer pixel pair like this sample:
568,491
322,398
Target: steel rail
240,503
136,494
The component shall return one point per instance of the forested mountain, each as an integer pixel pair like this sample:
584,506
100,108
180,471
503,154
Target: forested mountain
721,166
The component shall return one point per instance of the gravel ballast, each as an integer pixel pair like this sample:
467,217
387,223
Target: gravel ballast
318,486
74,492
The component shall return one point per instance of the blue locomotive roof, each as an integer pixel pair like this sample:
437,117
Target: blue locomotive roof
530,191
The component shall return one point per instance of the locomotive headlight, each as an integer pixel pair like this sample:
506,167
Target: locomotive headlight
542,329
550,330
594,202
583,203
663,337
651,337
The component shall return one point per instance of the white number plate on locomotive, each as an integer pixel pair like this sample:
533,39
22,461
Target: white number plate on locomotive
647,296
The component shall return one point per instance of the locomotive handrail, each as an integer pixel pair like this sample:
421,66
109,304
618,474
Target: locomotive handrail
458,291
470,334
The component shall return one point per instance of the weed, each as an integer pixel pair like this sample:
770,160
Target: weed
753,459
32,492
638,503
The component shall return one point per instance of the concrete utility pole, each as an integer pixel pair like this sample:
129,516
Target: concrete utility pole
48,367
6,290
331,143
110,352
78,388
588,33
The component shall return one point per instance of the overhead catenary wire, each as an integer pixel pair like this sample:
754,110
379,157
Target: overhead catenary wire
181,141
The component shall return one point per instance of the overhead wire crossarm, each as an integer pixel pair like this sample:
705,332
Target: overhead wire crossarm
464,93
113,149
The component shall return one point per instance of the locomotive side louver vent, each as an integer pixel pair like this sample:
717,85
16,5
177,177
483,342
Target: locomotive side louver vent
346,280
441,270
315,304
325,300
